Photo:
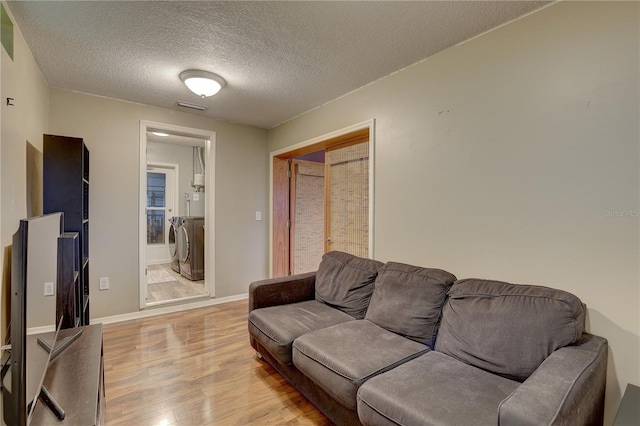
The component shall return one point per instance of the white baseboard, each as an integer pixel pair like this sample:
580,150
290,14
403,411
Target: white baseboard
43,329
149,312
159,262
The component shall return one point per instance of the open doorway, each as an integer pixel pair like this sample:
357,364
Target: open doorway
176,214
322,199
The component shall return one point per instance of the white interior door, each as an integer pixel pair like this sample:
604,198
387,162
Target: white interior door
160,207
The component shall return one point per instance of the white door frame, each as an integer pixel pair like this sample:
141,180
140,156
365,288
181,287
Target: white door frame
369,124
209,211
175,168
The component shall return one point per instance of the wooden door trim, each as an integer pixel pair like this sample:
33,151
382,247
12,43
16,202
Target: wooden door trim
327,212
347,143
280,209
351,138
349,135
292,214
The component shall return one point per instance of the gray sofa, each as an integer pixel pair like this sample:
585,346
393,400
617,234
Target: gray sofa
394,344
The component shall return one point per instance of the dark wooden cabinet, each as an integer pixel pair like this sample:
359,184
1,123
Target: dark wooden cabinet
66,189
68,279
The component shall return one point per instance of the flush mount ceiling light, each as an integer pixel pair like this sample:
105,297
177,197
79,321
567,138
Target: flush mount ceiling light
202,83
162,134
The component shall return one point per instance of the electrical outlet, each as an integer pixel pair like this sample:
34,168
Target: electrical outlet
104,283
49,289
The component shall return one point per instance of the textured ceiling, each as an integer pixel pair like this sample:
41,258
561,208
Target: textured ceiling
280,59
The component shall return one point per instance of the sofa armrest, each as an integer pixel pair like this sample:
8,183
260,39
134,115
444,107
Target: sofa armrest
566,389
282,290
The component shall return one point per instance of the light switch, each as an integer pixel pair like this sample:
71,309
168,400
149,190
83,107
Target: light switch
258,215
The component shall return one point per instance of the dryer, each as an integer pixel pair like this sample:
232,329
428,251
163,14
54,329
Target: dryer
173,246
190,242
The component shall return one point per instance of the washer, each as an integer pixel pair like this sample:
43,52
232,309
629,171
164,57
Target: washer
173,246
190,242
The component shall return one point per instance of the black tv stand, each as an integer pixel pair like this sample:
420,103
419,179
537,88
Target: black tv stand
50,402
62,344
75,377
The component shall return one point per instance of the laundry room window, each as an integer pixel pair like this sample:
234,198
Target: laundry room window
156,190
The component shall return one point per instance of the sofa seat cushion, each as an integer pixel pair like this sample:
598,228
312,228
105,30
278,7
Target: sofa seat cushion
408,300
508,329
276,327
345,282
434,389
340,358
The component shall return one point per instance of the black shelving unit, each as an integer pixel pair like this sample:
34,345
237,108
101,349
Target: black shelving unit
68,277
66,189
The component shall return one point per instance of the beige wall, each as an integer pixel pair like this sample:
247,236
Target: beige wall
23,123
511,157
111,131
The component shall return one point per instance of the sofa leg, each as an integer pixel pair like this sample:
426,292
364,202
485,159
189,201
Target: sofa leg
259,356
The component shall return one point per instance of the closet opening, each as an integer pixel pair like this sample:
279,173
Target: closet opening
322,200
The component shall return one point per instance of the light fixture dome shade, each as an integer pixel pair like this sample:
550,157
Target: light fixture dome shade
202,83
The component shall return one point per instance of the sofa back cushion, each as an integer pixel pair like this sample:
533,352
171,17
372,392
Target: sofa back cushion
345,282
508,329
408,300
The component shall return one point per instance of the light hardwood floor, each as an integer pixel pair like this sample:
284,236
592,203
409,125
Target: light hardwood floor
196,368
173,290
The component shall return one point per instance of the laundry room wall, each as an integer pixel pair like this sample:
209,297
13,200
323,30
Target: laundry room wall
182,156
110,129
